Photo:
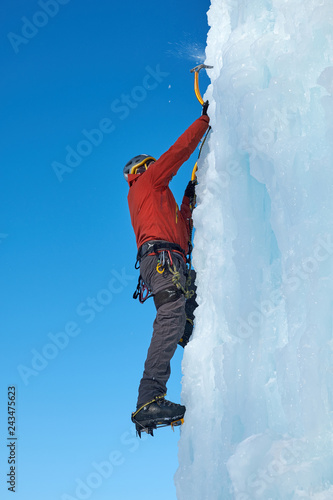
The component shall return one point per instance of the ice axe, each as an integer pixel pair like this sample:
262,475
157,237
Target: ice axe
196,80
200,99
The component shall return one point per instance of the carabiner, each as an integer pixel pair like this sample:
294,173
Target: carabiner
160,268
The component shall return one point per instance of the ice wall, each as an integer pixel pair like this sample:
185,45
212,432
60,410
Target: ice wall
258,373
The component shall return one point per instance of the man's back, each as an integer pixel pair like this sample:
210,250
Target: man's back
154,211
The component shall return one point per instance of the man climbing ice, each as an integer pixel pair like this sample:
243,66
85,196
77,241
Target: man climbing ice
162,235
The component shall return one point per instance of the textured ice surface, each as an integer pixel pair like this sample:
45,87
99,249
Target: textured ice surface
258,373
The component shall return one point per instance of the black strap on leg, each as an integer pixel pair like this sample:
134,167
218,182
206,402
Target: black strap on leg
170,294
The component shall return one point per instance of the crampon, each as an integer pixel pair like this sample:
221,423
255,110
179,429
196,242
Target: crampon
150,426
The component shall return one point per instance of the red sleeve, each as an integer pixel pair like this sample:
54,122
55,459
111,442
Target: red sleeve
186,213
185,208
169,163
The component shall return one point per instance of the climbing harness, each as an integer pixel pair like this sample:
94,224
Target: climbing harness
162,249
164,264
154,247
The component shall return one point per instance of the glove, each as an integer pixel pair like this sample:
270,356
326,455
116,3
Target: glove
205,107
190,190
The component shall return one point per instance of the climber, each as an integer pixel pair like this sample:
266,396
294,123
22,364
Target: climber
162,233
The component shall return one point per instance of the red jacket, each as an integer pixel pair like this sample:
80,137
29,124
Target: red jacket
154,212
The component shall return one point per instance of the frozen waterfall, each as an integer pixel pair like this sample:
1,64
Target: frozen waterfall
258,373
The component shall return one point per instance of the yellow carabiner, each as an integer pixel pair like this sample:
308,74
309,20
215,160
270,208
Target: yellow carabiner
160,268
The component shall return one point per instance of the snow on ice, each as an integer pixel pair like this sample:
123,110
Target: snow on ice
258,373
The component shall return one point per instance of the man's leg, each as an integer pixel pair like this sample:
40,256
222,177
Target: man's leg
169,326
190,306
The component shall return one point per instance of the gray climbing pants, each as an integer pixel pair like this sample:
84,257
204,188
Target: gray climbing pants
168,328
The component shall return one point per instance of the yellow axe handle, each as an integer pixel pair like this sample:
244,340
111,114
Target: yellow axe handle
196,87
194,171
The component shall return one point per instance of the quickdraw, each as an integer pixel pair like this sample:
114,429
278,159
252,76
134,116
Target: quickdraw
167,263
142,292
176,281
160,268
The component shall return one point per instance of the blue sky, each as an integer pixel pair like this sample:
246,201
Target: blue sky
85,86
